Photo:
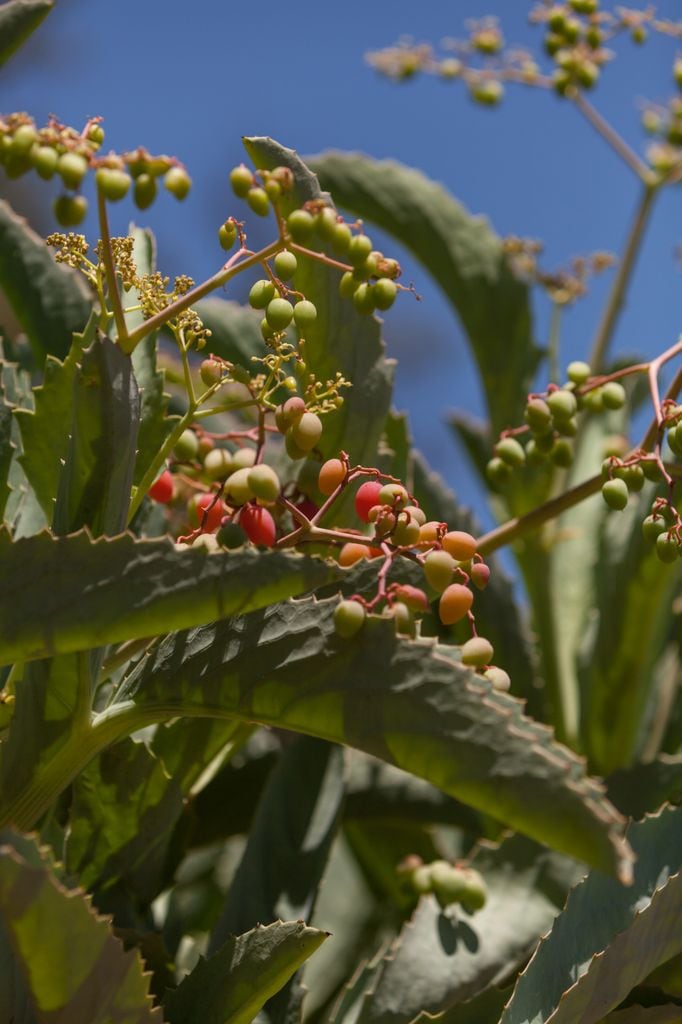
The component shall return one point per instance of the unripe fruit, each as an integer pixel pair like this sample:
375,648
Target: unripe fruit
438,569
210,372
243,458
307,479
459,544
261,294
674,437
651,470
289,412
534,454
475,894
258,525
359,249
96,134
417,514
562,453
257,198
384,293
227,234
44,159
480,575
351,553
305,314
498,677
341,239
615,494
448,883
420,880
652,527
325,224
579,372
264,483
273,190
293,450
162,488
206,445
279,313
205,512
455,602
404,619
430,532
306,431
366,498
178,182
301,225
186,447
667,547
347,285
567,428
562,404
241,180
349,617
394,495
112,183
613,395
633,477
477,652
510,451
144,192
538,416
415,599
70,210
72,168
218,464
498,472
231,536
406,533
238,487
285,264
384,521
363,299
23,138
332,473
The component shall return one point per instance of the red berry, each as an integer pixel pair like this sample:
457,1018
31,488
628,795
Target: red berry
308,508
258,525
214,512
480,574
366,498
162,489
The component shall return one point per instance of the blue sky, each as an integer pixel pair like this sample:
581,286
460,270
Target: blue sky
192,79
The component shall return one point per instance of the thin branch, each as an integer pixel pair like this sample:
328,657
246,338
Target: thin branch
610,135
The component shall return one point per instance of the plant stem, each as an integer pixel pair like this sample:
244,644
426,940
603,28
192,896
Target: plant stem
554,339
610,135
621,283
110,269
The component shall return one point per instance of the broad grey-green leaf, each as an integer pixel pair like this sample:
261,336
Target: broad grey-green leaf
643,788
45,429
667,1014
18,20
73,966
235,330
50,301
441,959
609,937
233,984
97,476
340,338
410,703
60,594
462,254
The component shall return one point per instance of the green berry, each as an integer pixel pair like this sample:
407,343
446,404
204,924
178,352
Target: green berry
562,404
667,547
231,536
538,416
363,299
325,224
498,677
510,451
477,652
241,180
633,476
613,395
72,168
96,134
306,431
218,464
674,437
488,92
406,533
23,139
301,225
475,894
243,458
112,183
273,190
579,372
178,182
227,234
403,618
285,264
359,249
44,159
384,293
186,447
615,494
238,487
438,569
448,883
262,293
293,450
210,371
651,470
347,285
652,527
264,483
349,618
305,314
279,313
341,239
498,472
534,454
257,198
144,191
70,210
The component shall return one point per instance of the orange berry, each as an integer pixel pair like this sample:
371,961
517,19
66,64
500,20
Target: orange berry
455,602
332,473
352,553
460,545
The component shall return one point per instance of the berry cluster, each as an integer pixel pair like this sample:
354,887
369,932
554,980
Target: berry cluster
450,883
57,150
551,422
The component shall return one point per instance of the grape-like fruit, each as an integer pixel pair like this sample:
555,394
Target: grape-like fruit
615,494
480,575
349,617
206,512
285,264
384,293
498,677
455,602
279,313
477,652
460,545
177,181
243,458
578,372
305,314
406,533
300,225
510,451
218,464
186,447
72,168
667,547
366,498
332,473
231,536
306,431
227,234
415,598
613,395
112,183
538,416
44,159
264,483
210,372
404,619
562,404
652,527
258,525
144,191
70,210
241,180
258,200
238,487
359,249
162,488
438,569
351,553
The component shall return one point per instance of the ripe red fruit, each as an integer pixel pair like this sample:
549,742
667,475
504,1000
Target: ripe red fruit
308,508
480,575
162,489
258,525
415,599
214,512
366,498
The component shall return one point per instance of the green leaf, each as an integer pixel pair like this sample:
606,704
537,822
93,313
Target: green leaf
18,20
96,481
340,339
463,255
609,937
7,446
668,1014
60,594
45,429
643,788
235,330
298,816
50,300
73,967
409,703
233,984
441,959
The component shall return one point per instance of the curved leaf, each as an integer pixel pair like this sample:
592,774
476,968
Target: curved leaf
18,20
235,330
609,938
409,703
60,594
50,301
643,788
463,255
